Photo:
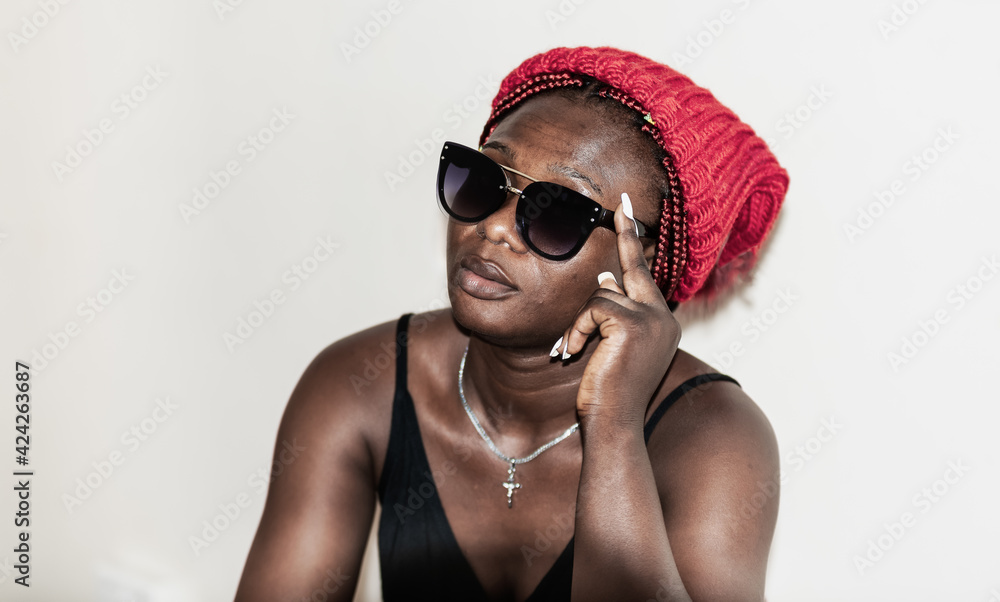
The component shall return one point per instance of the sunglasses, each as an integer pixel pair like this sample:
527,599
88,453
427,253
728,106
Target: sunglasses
554,221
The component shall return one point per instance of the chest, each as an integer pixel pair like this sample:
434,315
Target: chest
446,514
510,525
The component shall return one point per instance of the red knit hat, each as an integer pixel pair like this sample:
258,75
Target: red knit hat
726,186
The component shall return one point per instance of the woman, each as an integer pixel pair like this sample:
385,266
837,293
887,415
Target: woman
524,449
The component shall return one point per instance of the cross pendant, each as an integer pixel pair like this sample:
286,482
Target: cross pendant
511,485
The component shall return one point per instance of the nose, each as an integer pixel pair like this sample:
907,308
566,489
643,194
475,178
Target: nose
500,227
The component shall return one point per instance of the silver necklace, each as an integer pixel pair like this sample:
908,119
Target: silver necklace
510,484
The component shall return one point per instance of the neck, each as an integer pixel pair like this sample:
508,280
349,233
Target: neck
522,396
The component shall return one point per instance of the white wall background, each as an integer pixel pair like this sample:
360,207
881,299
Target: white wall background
867,101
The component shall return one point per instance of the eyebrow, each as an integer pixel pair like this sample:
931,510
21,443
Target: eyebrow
503,148
554,167
572,173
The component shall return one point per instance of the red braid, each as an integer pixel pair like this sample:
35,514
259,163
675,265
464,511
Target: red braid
671,248
539,83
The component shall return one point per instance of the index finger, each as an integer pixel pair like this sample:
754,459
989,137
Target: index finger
636,278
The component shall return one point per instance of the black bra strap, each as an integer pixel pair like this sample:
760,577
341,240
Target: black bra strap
679,392
401,342
400,412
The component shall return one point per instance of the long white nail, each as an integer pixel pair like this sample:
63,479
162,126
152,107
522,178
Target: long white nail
555,348
627,208
566,354
604,276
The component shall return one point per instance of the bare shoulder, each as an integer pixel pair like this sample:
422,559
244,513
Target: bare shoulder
350,377
715,416
716,462
346,392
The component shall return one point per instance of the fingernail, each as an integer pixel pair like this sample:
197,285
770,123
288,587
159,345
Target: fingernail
555,348
627,208
566,353
604,276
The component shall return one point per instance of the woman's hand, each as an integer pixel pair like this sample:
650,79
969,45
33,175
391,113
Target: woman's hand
638,336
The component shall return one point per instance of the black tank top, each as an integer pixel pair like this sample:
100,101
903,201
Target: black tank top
418,554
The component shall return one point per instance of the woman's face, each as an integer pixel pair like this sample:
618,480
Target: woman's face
553,139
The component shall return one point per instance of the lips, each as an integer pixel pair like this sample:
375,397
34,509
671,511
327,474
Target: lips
486,269
483,279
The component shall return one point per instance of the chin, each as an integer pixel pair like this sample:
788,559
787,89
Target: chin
502,322
490,320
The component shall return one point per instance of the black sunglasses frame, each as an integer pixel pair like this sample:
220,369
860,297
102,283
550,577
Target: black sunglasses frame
531,203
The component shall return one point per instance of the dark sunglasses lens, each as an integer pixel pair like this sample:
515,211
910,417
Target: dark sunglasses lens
470,185
556,220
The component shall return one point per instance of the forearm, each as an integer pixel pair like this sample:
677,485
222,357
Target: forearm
621,549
